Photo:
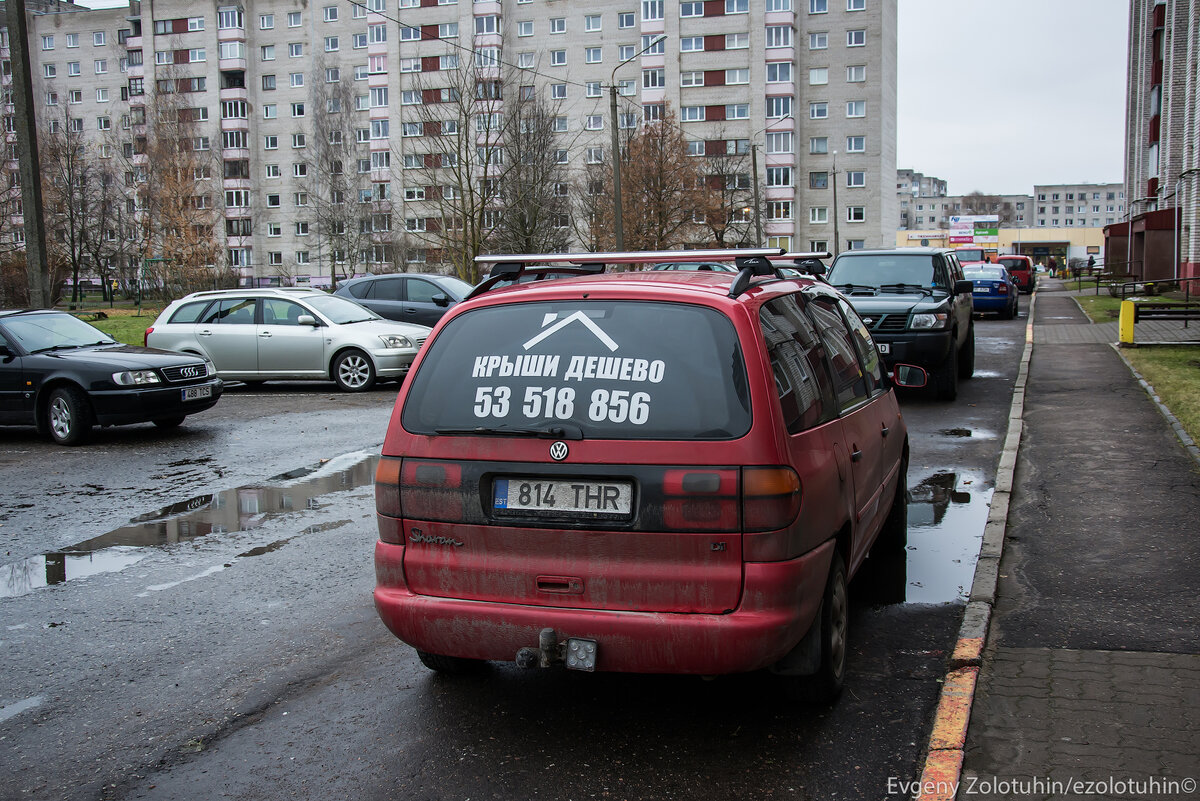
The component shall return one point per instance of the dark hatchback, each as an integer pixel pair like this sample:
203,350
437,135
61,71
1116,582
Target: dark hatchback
420,298
64,376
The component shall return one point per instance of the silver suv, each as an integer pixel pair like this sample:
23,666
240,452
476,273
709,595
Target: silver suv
266,334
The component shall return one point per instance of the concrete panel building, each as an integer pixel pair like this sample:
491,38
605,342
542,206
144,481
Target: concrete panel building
1078,205
807,87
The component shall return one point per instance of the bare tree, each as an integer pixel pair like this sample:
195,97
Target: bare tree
978,203
658,184
725,199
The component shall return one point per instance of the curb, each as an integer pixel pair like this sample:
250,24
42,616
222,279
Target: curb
942,771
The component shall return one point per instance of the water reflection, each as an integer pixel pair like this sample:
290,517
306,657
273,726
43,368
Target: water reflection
239,509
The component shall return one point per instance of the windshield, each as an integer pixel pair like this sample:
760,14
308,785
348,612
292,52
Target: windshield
457,287
984,274
36,332
1015,264
969,254
605,369
339,310
886,268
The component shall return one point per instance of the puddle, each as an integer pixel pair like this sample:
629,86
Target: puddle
946,515
986,374
968,433
240,509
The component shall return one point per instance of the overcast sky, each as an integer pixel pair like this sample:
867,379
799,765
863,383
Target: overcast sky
999,96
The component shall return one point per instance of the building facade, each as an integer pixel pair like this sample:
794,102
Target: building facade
261,90
1160,238
935,212
1078,205
910,185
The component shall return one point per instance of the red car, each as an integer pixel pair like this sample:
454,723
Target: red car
655,472
1021,270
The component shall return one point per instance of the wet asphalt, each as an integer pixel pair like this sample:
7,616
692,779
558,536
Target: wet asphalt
187,614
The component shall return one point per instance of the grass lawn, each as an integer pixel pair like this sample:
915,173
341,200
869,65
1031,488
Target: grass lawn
124,325
1174,372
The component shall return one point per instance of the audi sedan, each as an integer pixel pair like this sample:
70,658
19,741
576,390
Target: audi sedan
65,377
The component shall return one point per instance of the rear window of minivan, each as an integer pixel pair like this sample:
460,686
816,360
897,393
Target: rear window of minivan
608,369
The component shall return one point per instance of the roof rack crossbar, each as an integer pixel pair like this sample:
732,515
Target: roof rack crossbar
633,256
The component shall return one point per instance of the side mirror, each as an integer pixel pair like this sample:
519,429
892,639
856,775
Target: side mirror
441,300
963,287
909,376
5,352
306,319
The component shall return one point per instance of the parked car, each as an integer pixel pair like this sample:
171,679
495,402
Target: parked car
917,305
636,472
995,291
1021,270
268,334
65,376
407,297
967,256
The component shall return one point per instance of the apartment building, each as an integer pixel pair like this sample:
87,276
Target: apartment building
935,212
808,87
910,185
1161,236
1078,205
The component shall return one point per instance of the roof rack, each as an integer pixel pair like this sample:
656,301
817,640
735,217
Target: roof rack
509,267
808,263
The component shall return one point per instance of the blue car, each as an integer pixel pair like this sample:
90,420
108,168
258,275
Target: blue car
995,290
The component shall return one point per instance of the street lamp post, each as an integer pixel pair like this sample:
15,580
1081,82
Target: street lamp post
618,215
833,179
758,231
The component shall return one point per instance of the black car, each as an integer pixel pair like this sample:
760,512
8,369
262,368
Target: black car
420,298
64,376
918,307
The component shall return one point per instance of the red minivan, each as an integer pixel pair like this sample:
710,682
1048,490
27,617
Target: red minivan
648,471
1021,270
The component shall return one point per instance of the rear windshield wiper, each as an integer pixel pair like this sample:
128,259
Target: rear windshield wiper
924,290
857,287
554,431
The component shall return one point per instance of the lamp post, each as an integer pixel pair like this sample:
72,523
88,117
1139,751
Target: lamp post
618,218
758,231
833,179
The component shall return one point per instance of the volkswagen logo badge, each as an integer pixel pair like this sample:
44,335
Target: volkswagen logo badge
558,451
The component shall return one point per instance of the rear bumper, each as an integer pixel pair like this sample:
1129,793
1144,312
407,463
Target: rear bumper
780,601
991,303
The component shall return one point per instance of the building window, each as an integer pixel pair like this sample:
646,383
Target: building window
856,38
737,41
558,25
691,44
818,6
779,176
856,108
856,5
856,73
652,9
856,178
816,111
856,144
817,76
818,41
738,76
737,111
592,55
625,19
818,144
818,214
691,114
691,9
779,36
780,142
818,180
293,19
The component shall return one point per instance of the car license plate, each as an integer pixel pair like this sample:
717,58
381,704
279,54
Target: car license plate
884,348
572,497
196,393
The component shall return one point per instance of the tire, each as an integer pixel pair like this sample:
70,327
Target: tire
947,377
893,537
68,416
454,665
353,371
835,625
169,422
966,357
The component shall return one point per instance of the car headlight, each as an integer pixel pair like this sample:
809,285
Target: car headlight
395,341
929,322
131,377
209,368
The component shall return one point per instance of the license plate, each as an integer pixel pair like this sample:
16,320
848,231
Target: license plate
196,393
883,348
554,497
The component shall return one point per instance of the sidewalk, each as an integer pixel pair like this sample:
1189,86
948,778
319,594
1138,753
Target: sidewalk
1089,682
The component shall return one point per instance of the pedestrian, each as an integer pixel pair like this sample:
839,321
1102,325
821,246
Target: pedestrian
1053,265
1091,264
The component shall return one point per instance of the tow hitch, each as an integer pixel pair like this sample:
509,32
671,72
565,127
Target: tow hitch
573,653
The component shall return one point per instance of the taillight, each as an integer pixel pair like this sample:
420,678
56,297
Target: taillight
387,487
146,336
1002,289
431,490
700,500
770,498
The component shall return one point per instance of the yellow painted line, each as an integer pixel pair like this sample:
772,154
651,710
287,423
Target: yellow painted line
939,780
968,651
954,710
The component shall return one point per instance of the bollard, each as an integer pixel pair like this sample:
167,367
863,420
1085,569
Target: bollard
1125,326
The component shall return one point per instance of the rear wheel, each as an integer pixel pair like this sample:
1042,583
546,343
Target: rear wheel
353,371
966,358
947,376
449,664
68,416
835,628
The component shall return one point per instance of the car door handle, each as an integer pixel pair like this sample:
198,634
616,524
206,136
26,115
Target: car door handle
883,429
265,334
856,455
204,333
